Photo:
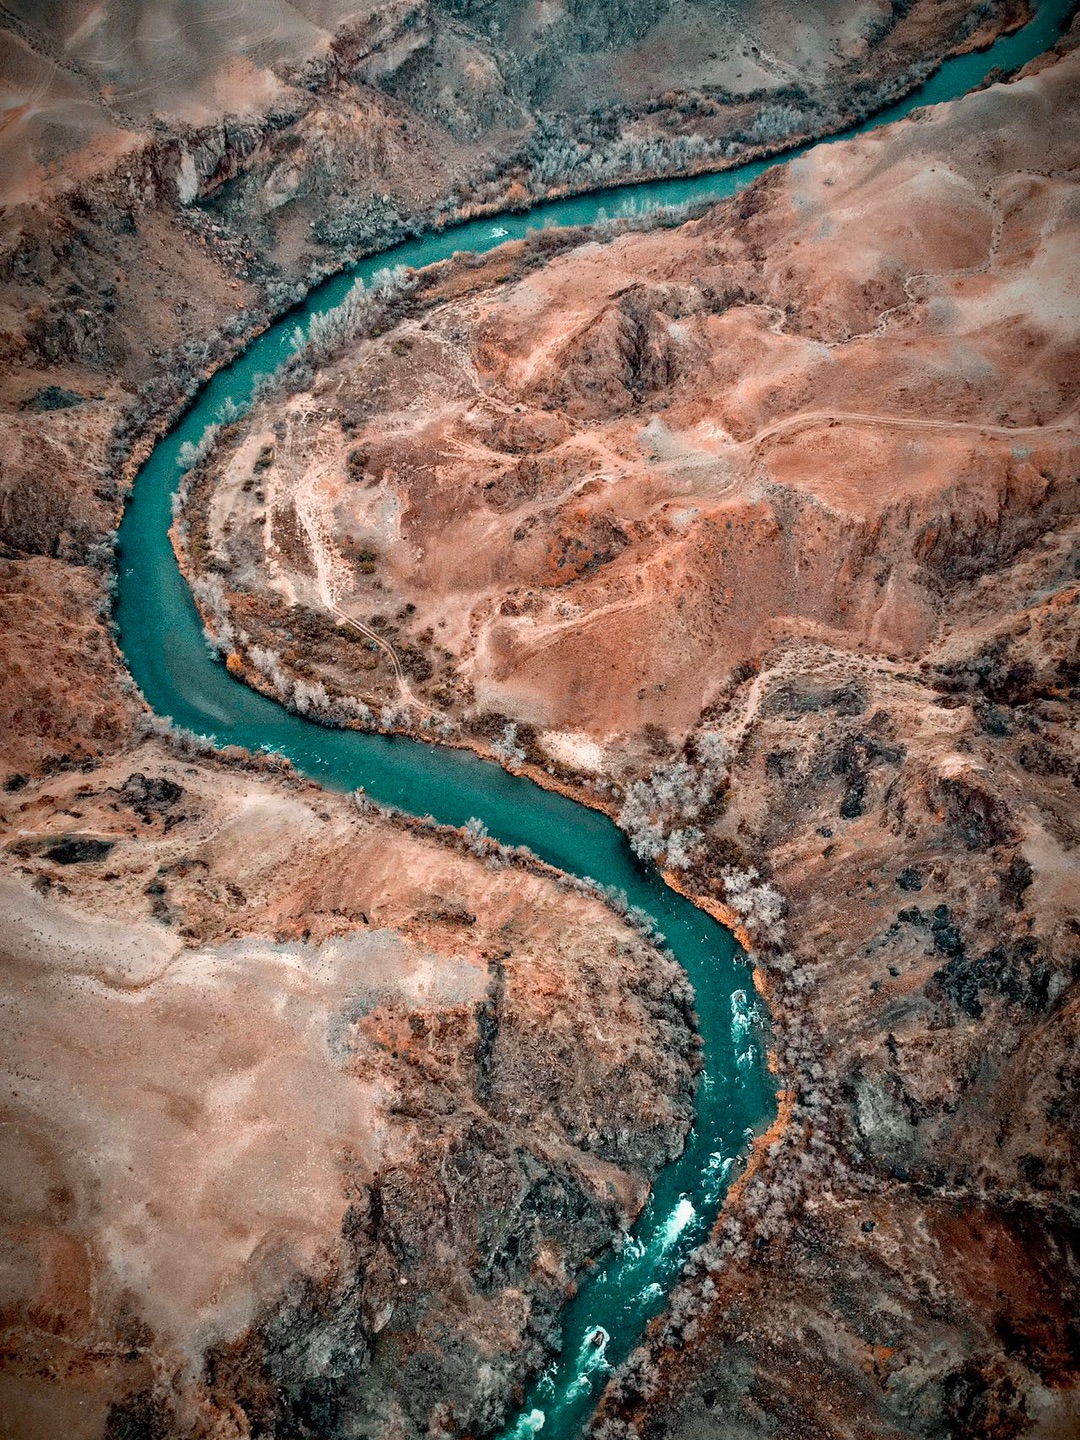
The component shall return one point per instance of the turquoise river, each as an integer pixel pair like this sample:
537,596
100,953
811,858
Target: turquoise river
162,640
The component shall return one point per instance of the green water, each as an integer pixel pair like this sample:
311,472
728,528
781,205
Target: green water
161,637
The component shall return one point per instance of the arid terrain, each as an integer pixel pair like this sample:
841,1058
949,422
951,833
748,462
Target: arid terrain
663,454
801,474
307,1114
759,533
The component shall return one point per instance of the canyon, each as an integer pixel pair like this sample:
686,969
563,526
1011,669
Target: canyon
652,456
757,532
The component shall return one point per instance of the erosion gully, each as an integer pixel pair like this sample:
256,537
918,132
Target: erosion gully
162,639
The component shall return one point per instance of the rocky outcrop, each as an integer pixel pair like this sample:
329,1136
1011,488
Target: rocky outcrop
925,1002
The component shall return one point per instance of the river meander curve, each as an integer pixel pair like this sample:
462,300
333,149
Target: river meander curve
162,640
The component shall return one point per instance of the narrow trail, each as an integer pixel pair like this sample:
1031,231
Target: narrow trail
903,422
405,690
313,520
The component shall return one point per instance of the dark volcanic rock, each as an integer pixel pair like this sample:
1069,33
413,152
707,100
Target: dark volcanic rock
150,797
52,397
77,849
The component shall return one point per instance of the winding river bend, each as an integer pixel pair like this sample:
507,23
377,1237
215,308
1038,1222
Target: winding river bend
161,637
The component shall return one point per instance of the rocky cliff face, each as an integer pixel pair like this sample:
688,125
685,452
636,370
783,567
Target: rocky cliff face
905,1258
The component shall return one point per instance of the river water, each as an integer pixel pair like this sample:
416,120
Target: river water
161,637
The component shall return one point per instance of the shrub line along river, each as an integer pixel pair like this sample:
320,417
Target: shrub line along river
162,639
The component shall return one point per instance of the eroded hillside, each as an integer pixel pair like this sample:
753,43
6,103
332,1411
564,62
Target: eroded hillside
841,408
307,1115
762,533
